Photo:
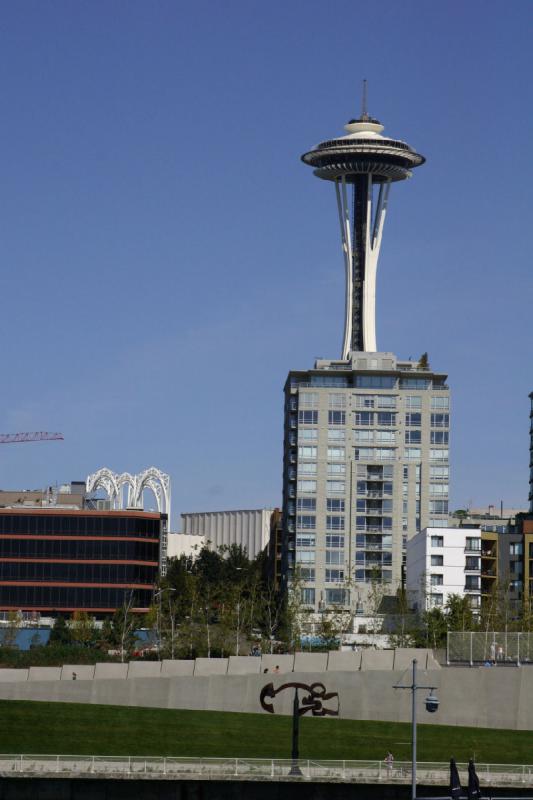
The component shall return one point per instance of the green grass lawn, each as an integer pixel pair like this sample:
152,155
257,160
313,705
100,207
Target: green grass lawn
69,728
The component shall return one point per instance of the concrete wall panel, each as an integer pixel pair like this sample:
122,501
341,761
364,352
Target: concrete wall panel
403,657
83,672
211,666
310,662
377,659
144,669
12,675
346,661
244,665
110,671
177,667
284,662
44,674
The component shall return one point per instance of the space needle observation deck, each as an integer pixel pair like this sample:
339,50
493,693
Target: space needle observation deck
362,165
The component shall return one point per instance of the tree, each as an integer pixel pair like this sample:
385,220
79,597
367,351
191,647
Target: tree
83,629
375,599
124,624
459,614
423,362
9,633
330,628
60,633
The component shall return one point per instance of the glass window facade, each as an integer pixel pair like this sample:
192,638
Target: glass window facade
78,560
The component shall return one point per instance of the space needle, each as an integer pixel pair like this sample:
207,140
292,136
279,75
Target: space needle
362,165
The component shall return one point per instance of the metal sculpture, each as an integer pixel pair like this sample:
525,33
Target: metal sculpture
312,702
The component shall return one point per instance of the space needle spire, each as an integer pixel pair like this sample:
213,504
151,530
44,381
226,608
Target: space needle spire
362,165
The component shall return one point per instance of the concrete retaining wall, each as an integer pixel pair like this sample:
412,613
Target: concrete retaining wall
489,698
83,672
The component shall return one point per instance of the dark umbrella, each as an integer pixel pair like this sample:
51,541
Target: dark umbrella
455,780
473,782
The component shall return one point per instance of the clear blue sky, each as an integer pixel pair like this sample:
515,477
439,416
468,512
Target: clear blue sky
166,258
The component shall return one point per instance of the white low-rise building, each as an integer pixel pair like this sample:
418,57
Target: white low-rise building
442,562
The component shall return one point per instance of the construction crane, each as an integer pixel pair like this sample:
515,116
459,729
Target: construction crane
37,436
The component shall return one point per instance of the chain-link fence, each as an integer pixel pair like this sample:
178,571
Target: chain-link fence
489,647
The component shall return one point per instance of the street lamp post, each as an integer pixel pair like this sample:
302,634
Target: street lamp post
432,705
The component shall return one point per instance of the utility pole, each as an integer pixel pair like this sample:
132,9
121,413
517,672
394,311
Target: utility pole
432,705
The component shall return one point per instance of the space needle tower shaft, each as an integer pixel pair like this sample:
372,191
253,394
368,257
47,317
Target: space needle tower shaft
362,165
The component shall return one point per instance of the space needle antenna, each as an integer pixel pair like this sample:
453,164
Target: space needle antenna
364,111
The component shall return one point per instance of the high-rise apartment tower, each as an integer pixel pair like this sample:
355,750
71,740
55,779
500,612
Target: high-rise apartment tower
366,436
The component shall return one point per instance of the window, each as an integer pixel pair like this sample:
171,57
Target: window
439,437
437,561
386,418
375,382
436,489
515,549
437,580
364,453
336,469
364,401
440,420
305,540
307,452
413,401
336,454
384,436
334,523
334,575
438,506
329,380
472,543
306,522
307,574
440,402
414,383
438,523
412,453
305,556
333,540
307,468
308,417
413,437
439,472
308,597
436,600
337,400
363,436
337,597
386,401
308,399
472,582
335,487
336,435
306,504
364,417
334,504
334,556
384,453
307,435
472,562
336,417
438,455
437,541
413,419
307,486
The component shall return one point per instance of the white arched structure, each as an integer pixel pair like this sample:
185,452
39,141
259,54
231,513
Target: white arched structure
113,485
107,480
